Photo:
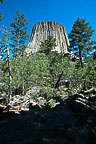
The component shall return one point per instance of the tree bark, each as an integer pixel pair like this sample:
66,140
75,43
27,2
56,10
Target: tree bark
10,76
80,57
57,83
17,42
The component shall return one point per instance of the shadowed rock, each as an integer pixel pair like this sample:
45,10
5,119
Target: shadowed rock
70,122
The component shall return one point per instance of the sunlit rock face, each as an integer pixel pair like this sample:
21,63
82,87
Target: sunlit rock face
42,30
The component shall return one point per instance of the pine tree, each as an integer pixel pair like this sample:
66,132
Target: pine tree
5,55
80,39
48,45
19,33
0,16
1,1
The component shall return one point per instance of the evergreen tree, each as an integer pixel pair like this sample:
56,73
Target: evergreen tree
19,33
0,16
1,1
5,55
48,45
80,39
29,71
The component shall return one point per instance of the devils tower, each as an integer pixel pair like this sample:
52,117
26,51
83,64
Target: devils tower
42,30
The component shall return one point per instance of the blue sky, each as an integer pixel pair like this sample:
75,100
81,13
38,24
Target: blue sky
64,12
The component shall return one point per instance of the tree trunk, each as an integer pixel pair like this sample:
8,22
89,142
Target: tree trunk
57,83
17,43
80,57
10,76
16,50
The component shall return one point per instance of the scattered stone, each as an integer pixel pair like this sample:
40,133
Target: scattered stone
41,101
71,121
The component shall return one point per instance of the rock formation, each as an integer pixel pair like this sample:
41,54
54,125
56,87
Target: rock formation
42,30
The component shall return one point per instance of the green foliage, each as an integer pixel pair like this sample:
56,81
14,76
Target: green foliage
48,45
5,48
19,33
80,39
44,69
3,77
52,103
0,16
33,71
1,1
4,41
47,92
29,71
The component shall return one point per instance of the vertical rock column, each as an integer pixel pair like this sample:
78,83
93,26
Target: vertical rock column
42,30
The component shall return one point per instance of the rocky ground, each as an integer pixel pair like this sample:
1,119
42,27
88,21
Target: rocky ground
73,121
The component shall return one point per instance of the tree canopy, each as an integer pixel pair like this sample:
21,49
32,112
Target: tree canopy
48,45
1,1
54,74
80,39
19,33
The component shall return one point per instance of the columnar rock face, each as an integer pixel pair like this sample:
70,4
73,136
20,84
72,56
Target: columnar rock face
42,30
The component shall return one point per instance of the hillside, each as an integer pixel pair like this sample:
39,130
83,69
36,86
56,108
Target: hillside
47,92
